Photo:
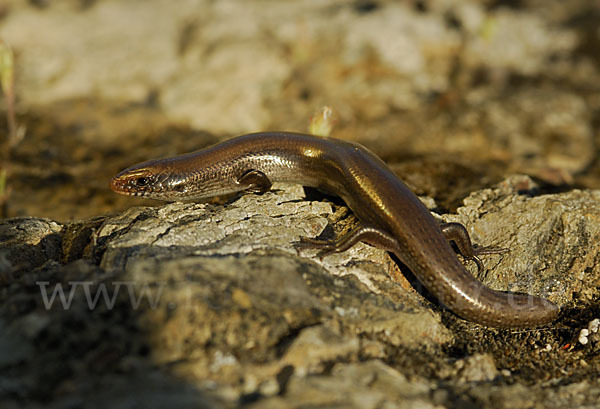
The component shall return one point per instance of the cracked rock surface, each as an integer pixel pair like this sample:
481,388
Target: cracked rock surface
211,306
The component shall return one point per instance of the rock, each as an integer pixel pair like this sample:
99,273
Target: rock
15,346
215,297
367,385
29,243
543,128
552,238
521,42
477,368
229,283
315,347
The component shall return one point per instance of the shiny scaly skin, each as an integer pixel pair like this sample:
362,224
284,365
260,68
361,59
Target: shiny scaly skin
375,194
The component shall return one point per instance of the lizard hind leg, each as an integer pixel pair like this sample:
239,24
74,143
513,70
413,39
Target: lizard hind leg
368,234
458,234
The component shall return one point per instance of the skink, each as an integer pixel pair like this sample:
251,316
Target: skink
390,216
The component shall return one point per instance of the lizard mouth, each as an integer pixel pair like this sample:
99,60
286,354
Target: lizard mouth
132,183
121,186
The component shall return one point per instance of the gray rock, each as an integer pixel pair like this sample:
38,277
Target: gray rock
477,368
15,347
217,296
28,243
366,385
552,238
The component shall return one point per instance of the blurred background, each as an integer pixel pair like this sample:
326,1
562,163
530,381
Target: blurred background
455,95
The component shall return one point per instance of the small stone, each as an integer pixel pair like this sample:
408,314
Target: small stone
477,368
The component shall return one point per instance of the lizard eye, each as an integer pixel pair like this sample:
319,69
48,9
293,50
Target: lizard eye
141,181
